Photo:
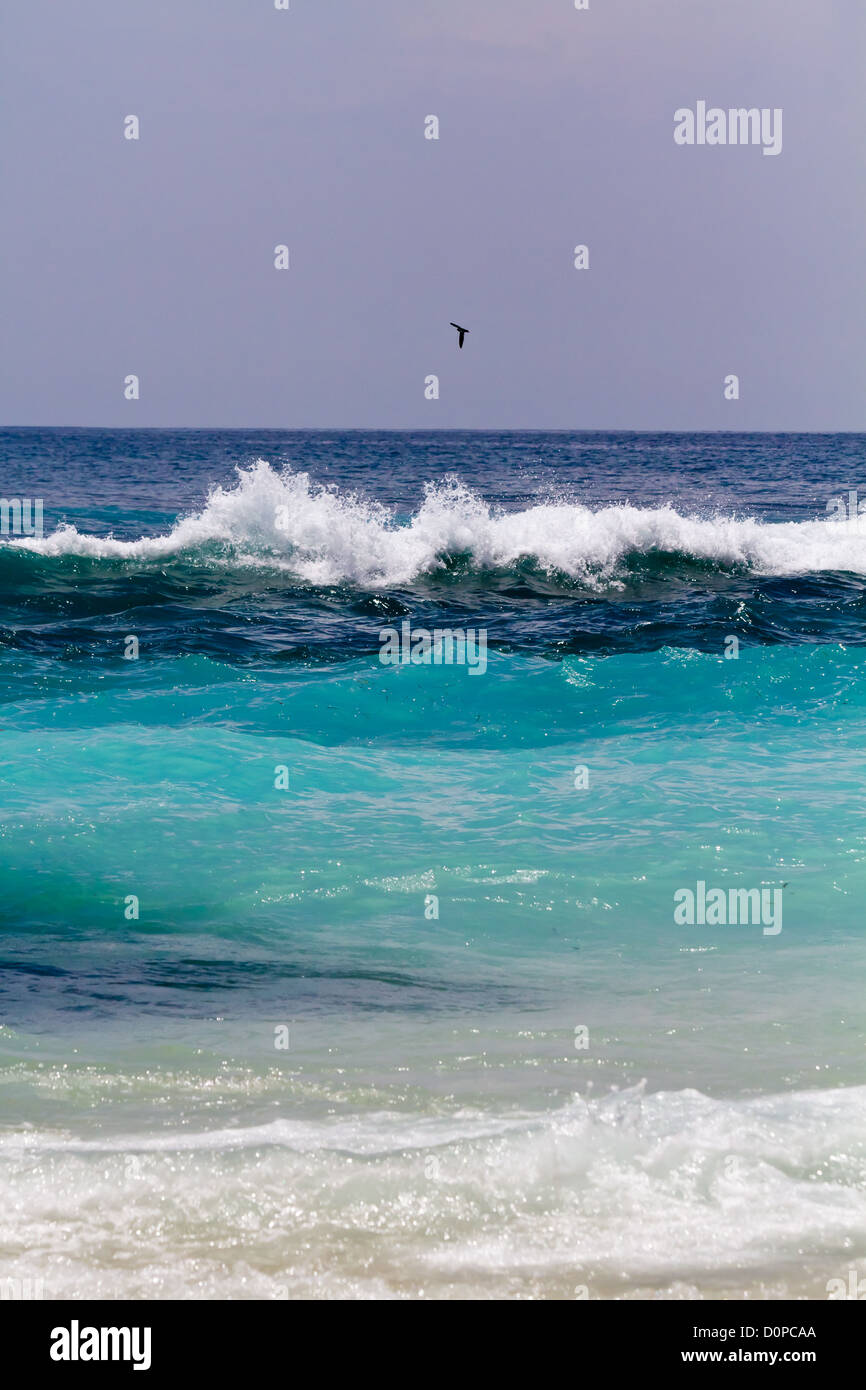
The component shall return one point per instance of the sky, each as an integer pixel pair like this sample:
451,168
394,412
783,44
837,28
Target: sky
306,128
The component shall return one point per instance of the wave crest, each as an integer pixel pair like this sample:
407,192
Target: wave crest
323,536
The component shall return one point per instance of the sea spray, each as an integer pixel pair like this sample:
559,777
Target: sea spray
283,520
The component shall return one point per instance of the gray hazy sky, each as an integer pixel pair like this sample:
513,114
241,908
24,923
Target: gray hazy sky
261,127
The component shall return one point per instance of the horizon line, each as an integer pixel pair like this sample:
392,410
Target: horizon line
427,429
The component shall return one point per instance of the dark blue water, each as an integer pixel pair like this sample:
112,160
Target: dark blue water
661,586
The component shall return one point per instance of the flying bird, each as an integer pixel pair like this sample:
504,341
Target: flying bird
462,332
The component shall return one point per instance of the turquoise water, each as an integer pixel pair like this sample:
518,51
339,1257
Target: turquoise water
422,1022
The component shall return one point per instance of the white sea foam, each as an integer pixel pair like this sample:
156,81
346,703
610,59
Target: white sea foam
664,1192
324,536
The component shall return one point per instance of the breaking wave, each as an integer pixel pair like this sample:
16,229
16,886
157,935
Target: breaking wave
322,536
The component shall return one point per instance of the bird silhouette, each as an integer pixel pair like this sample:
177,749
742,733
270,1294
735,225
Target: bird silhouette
462,332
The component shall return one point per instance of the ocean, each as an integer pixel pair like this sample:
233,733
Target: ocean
323,976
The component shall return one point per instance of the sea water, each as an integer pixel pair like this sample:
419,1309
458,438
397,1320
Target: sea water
327,976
